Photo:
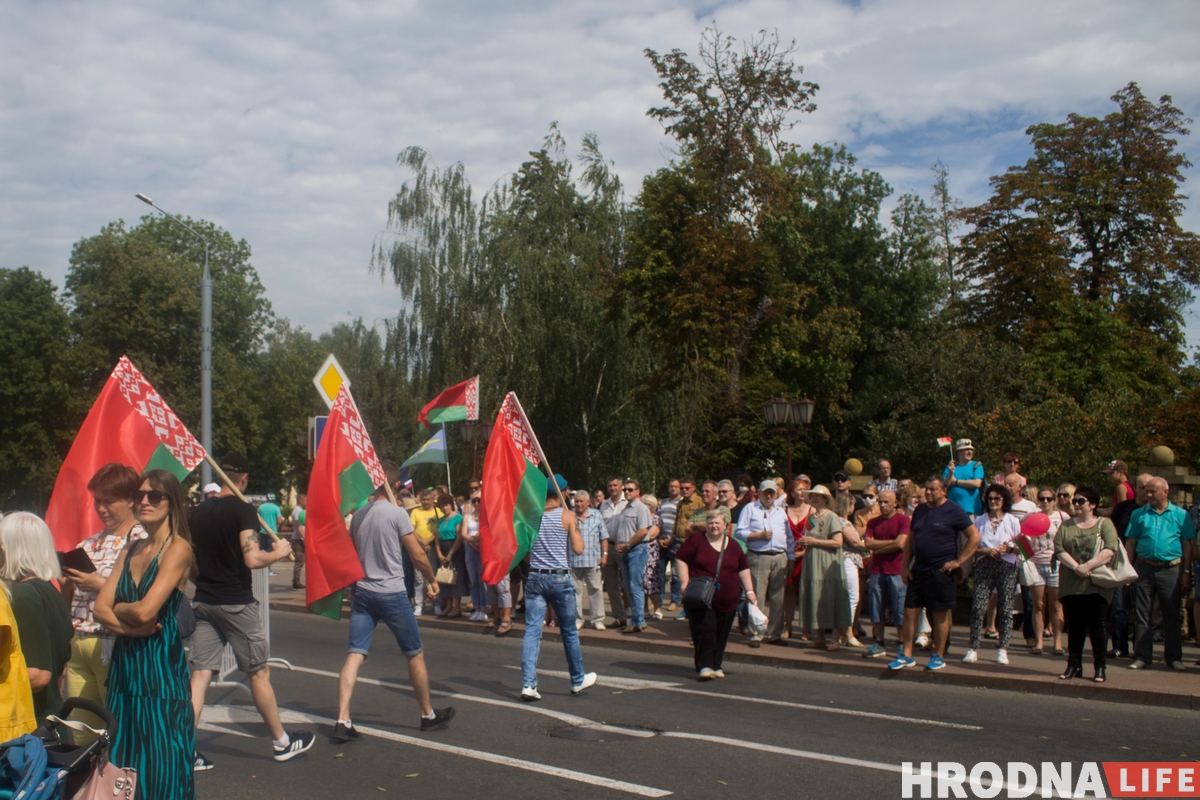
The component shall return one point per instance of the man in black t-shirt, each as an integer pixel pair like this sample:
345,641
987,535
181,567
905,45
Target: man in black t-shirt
1118,610
932,560
225,539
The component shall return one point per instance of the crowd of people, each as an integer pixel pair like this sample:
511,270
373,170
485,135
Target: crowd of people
788,564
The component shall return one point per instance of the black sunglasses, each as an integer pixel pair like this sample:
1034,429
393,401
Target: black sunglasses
1078,501
1049,498
1064,494
153,497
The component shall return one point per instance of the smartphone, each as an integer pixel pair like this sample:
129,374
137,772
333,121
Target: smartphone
77,560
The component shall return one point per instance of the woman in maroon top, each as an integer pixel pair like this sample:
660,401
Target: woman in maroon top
698,557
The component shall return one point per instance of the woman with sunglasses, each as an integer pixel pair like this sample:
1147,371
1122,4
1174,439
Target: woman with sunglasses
1082,544
995,570
148,683
1047,611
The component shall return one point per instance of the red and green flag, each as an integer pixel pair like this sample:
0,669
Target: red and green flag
945,441
1024,546
514,492
346,472
458,403
129,424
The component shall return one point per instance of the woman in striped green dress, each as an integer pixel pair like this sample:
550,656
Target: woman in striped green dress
148,685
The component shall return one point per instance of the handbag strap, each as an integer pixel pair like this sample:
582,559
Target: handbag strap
77,726
720,558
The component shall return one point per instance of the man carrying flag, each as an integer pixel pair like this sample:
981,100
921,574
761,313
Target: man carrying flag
550,583
382,533
225,538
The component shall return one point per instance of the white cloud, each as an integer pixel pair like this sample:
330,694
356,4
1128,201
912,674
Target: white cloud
281,121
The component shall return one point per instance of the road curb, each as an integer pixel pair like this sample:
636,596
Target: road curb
740,654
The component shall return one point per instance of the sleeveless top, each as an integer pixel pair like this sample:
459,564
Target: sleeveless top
472,526
550,548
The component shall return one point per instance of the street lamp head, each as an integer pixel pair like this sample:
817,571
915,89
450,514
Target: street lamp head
802,410
777,413
467,430
144,199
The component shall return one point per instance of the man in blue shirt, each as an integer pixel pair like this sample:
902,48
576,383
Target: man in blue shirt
764,527
1156,536
964,479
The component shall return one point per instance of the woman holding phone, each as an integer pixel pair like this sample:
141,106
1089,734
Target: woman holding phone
112,489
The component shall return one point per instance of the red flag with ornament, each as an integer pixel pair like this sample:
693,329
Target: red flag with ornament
346,472
129,424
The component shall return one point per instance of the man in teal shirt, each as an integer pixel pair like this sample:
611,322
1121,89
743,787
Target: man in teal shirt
964,478
270,513
1155,535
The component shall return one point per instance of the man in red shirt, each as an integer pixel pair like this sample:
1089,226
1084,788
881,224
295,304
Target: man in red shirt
885,537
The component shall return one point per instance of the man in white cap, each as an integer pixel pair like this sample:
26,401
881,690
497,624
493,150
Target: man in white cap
211,490
764,527
964,478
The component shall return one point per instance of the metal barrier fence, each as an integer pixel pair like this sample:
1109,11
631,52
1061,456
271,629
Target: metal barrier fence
262,593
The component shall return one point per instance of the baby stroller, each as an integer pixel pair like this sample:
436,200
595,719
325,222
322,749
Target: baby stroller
41,766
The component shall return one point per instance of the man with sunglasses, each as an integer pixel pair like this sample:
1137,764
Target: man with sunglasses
225,539
633,523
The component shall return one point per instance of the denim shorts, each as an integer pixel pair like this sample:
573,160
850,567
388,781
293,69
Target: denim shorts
368,609
893,585
1049,573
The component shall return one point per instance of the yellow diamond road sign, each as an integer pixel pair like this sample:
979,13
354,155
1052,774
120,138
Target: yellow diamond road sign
329,380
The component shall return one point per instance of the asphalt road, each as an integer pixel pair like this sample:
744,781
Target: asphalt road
647,729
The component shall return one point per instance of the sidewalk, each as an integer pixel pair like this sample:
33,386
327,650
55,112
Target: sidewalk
1026,673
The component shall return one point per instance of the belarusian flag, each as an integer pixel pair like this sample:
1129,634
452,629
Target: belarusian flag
129,424
945,441
514,493
459,402
346,472
1023,545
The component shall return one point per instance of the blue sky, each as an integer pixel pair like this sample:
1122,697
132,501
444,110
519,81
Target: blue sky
281,121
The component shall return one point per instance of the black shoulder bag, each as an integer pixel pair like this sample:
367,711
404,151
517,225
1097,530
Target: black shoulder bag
699,592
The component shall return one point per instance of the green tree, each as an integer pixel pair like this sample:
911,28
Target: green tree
1088,229
38,393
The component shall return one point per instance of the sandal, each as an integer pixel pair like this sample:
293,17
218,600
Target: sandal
454,614
832,647
1058,651
1035,651
504,628
992,635
490,627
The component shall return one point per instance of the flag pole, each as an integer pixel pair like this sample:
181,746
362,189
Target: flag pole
541,452
446,441
221,473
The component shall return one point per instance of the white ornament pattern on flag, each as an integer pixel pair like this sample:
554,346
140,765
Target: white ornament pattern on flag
169,429
473,398
514,422
356,433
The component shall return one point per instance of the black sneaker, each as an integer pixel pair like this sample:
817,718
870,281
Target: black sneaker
200,763
440,720
345,733
300,741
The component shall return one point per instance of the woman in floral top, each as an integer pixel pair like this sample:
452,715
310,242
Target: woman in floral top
112,490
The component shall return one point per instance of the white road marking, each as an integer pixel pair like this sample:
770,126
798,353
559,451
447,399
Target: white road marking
679,688
208,726
562,716
243,714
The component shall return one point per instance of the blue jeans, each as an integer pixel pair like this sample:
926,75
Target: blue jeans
475,574
892,587
558,591
675,584
1118,612
634,568
368,609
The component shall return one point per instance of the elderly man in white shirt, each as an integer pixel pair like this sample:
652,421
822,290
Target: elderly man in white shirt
764,528
610,512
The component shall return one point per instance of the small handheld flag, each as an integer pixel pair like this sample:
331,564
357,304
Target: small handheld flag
945,441
1024,546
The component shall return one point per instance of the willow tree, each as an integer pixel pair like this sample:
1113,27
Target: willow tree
509,287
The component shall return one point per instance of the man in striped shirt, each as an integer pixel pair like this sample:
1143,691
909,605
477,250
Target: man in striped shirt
549,583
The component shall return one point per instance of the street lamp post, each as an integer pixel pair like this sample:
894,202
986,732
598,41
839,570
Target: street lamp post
206,287
475,434
784,417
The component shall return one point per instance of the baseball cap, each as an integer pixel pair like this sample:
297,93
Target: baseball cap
235,462
840,476
1116,465
768,486
211,488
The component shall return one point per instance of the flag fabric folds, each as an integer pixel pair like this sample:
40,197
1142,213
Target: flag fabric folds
129,424
346,472
514,493
432,452
945,441
459,402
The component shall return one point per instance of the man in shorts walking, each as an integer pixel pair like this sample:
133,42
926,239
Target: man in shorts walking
382,533
930,567
225,539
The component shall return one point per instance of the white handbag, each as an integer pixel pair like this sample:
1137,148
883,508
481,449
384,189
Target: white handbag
1029,574
1117,572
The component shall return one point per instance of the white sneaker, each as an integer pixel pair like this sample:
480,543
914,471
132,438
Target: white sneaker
707,674
578,624
971,656
529,694
720,673
588,680
1001,656
417,611
598,626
